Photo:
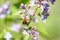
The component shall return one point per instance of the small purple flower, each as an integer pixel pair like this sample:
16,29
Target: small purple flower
45,16
43,19
45,10
35,28
32,32
47,5
22,6
52,1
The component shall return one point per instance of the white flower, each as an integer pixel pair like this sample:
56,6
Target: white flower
2,16
44,2
25,32
31,12
32,2
7,36
16,27
27,16
42,8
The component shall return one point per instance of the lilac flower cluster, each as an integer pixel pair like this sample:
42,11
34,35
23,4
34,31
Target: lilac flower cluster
43,4
45,11
27,15
32,32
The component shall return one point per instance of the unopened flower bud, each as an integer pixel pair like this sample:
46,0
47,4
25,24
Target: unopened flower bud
29,7
35,28
22,6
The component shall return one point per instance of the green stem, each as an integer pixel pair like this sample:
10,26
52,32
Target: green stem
32,17
6,20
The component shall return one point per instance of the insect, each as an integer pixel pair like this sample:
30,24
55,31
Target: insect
24,21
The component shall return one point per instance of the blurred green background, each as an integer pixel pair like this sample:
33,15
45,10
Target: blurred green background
48,31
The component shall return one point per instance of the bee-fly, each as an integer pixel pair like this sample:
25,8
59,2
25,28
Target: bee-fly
24,21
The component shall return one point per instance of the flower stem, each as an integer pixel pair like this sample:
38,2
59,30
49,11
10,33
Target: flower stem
32,17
